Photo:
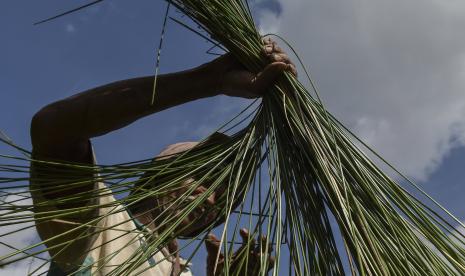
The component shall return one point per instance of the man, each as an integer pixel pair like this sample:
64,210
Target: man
62,131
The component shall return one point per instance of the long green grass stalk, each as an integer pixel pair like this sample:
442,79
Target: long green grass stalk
387,231
292,169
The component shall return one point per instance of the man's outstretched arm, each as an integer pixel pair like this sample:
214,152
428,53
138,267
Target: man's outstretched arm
62,129
113,106
72,121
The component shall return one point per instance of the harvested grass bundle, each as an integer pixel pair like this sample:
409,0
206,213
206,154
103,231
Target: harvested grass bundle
318,165
315,173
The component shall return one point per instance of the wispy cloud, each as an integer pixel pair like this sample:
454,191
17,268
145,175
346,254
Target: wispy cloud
19,239
394,71
70,28
461,230
26,267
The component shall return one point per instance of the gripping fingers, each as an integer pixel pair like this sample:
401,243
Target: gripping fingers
212,244
260,253
246,238
276,54
264,244
279,57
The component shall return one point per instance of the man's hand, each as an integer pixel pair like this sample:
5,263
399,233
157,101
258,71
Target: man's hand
236,81
240,263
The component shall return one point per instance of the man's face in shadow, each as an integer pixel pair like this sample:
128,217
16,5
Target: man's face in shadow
170,208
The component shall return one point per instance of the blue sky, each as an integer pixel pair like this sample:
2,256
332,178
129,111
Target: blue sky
396,79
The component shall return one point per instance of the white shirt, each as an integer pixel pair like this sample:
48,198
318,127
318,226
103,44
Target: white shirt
104,239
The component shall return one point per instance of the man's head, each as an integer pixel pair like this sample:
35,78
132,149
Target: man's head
163,208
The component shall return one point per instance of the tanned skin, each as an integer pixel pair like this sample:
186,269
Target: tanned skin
62,130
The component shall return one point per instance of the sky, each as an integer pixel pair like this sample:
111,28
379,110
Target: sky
392,71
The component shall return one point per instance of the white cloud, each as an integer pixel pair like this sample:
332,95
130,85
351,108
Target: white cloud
70,28
20,239
25,267
457,237
461,230
269,22
393,71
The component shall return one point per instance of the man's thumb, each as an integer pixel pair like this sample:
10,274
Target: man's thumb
212,244
268,76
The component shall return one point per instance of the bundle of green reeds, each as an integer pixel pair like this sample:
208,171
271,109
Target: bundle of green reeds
385,230
314,174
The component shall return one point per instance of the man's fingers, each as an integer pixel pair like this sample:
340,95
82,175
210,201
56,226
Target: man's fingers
271,72
272,48
244,234
212,244
269,75
264,244
211,238
275,57
246,240
268,49
284,58
271,261
277,54
267,41
292,69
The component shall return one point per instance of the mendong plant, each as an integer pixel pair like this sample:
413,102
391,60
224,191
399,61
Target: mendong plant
289,169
